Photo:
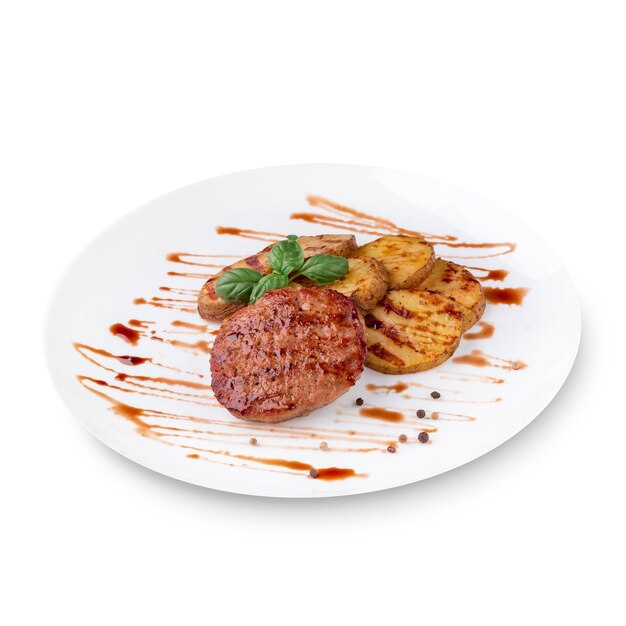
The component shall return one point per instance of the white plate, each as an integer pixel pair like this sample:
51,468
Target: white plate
121,276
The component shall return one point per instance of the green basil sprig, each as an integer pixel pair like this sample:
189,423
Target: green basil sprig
271,281
237,285
323,269
286,258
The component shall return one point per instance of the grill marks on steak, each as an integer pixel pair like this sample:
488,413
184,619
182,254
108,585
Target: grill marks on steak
292,352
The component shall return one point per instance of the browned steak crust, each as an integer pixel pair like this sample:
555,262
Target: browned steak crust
294,351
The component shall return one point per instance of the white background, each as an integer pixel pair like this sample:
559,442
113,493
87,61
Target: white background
107,105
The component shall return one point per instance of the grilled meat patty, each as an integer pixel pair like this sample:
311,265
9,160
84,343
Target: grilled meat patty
292,352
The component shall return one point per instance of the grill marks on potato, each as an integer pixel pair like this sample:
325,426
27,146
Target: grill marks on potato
411,331
382,353
391,331
407,259
259,263
455,282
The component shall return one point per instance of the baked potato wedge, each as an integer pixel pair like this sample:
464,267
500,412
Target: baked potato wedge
411,330
408,260
455,282
211,307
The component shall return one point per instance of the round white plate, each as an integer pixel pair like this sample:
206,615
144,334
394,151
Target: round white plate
143,274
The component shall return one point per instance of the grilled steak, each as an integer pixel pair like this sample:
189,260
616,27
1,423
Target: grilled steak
294,351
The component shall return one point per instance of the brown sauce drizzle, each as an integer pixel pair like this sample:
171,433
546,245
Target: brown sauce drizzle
132,336
180,291
486,331
333,222
144,428
190,275
131,413
147,390
263,468
132,361
249,234
477,358
377,225
199,346
466,377
183,258
323,473
382,414
155,302
386,389
395,388
294,465
414,425
453,417
129,335
472,359
199,327
495,275
361,222
139,323
175,304
175,300
507,295
508,248
174,382
336,473
196,328
84,349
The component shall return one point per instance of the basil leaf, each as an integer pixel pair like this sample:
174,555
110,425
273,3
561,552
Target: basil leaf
236,285
271,281
324,269
286,256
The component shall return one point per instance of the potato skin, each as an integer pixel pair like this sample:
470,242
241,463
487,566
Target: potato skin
337,245
459,284
408,260
411,331
213,308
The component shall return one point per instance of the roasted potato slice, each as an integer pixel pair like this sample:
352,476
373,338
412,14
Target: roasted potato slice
411,330
455,282
365,283
407,259
212,307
